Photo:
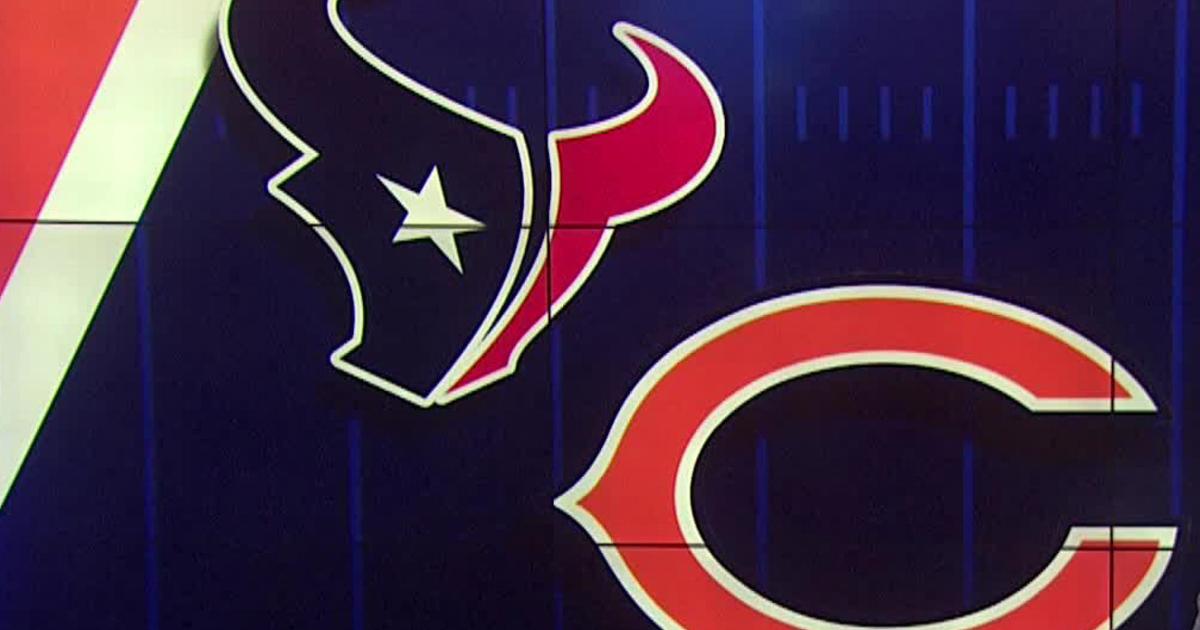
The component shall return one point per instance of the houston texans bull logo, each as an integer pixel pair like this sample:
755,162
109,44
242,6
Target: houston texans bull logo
423,201
417,195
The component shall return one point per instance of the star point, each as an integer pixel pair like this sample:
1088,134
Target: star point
428,216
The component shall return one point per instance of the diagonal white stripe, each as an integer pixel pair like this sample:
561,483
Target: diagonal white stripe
44,314
108,175
135,116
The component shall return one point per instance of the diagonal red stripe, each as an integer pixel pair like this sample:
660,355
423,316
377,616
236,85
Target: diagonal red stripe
52,56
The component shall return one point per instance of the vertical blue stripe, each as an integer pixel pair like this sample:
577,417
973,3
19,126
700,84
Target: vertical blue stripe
760,146
927,113
222,128
472,97
512,110
556,366
968,542
843,113
1177,355
969,88
1094,128
970,51
1010,112
551,29
801,113
1180,108
762,512
149,433
593,103
1052,113
1176,455
1178,214
556,450
556,431
358,606
1135,110
885,113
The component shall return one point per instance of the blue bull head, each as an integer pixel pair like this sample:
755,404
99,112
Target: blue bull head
426,204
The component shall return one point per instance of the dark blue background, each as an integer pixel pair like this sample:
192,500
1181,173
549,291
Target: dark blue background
204,466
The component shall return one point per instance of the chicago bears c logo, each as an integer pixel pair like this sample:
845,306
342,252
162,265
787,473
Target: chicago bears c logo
427,205
638,490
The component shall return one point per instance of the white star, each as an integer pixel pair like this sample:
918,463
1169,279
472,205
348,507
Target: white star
428,216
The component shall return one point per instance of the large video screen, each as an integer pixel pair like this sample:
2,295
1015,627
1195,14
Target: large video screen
697,314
